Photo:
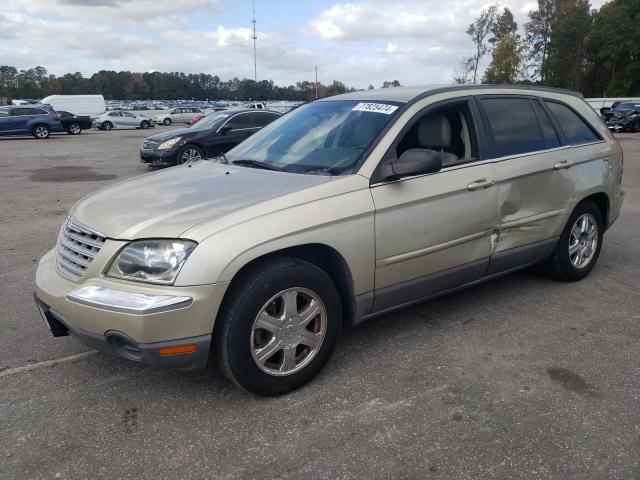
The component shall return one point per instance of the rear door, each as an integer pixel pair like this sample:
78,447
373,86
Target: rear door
534,187
129,120
19,119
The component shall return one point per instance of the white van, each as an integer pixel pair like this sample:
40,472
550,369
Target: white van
77,104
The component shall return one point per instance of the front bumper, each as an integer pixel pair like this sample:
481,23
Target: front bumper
158,158
128,325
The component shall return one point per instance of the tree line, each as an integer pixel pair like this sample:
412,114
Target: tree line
38,83
563,44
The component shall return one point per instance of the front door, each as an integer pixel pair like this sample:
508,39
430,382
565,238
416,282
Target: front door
434,232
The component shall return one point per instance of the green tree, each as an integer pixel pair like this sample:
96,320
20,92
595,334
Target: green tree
568,45
504,24
479,30
506,62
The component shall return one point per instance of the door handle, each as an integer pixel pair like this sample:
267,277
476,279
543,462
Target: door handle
563,164
482,183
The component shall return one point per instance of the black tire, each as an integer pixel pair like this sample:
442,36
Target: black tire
144,124
41,131
559,265
247,296
107,126
167,122
636,126
189,150
74,129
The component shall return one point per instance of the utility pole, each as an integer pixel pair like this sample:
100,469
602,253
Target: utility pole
255,62
316,81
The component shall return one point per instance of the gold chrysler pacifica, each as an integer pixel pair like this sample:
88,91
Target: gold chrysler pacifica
344,209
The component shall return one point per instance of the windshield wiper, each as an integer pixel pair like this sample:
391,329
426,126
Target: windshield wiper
257,164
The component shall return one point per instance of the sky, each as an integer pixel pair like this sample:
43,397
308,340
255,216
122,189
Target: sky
359,43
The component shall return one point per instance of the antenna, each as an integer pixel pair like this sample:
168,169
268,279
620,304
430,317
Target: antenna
255,63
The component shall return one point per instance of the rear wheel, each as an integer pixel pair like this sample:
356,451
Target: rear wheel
74,129
41,132
579,246
278,326
189,153
107,125
167,121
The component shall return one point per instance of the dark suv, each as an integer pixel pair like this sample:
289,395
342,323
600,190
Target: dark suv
36,120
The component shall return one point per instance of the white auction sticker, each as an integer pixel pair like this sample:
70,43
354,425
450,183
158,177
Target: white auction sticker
375,107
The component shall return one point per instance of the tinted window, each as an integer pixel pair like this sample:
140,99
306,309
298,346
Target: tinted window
574,128
114,114
262,119
515,126
550,135
21,111
240,121
37,111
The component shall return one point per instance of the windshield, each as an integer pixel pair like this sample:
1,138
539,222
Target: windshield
211,121
321,138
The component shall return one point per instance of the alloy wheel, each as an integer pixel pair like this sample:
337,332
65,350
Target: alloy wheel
583,240
288,332
42,132
190,155
75,129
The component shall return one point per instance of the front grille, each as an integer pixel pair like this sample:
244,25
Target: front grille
76,248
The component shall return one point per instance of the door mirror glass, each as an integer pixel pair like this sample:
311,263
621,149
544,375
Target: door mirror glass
415,161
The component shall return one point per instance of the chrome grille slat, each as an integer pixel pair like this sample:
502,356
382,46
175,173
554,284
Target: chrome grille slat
76,248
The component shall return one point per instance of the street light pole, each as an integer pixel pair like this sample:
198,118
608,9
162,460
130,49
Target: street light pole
316,81
255,62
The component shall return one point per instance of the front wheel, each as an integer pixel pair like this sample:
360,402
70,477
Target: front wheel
144,124
74,129
107,126
579,246
167,121
189,153
278,326
41,132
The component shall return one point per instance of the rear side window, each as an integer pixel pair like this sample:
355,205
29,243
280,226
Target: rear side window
575,129
550,135
514,125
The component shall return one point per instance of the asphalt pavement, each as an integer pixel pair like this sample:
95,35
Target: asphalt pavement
520,378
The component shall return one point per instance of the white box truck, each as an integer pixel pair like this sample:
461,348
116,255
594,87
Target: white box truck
92,105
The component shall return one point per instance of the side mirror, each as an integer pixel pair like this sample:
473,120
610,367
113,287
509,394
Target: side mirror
224,129
415,161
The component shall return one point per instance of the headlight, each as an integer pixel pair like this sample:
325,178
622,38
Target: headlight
152,261
169,143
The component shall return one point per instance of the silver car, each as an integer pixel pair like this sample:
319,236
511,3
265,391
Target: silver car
121,119
342,210
177,115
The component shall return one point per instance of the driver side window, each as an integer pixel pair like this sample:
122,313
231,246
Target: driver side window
447,129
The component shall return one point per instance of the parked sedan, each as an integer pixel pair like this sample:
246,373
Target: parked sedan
74,124
121,119
36,120
212,136
177,115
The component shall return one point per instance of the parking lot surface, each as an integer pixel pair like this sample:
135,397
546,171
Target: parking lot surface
520,378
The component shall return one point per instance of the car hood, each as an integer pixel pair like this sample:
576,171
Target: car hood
179,132
168,203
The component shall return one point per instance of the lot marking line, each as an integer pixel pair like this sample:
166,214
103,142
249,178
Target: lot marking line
47,363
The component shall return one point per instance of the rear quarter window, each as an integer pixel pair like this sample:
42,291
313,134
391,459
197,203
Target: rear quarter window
575,129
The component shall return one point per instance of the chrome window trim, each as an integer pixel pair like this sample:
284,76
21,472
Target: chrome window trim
491,160
235,129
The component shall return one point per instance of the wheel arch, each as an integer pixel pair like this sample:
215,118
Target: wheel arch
322,256
601,199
